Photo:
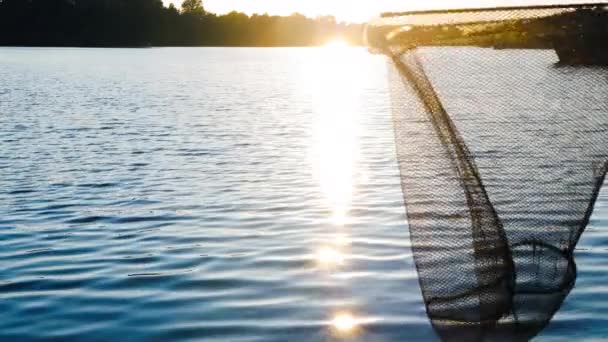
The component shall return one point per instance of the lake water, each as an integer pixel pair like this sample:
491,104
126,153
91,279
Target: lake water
217,194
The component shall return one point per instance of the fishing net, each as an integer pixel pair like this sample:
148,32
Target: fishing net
501,127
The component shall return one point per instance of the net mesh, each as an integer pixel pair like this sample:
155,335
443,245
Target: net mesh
502,154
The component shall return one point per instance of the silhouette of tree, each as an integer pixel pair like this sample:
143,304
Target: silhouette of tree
193,7
137,23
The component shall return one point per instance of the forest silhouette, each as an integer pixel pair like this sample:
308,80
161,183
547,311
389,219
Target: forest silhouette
141,23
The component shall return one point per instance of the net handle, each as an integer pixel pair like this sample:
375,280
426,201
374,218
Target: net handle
495,9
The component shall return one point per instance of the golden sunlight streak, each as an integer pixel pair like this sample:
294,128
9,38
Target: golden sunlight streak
336,129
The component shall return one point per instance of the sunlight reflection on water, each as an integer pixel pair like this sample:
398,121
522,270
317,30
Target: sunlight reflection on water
336,130
344,322
335,158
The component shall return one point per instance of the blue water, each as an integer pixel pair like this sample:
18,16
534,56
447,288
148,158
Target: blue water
217,194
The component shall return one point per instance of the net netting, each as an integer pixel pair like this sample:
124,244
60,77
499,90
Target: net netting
501,127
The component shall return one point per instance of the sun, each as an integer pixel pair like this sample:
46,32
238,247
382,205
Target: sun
336,44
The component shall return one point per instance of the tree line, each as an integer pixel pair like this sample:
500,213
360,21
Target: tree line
137,23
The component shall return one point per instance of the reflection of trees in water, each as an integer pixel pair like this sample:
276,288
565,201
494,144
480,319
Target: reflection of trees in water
493,245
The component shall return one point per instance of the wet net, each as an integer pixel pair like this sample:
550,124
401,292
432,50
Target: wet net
501,126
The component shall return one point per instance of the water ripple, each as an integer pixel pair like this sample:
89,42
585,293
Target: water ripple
181,194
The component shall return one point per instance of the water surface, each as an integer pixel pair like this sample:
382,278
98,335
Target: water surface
217,194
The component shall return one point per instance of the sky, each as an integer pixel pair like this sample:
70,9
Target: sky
351,10
348,10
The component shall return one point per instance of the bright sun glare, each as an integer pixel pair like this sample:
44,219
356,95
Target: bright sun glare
344,322
337,43
336,83
329,256
336,80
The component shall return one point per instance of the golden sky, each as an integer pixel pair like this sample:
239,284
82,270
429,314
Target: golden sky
352,10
